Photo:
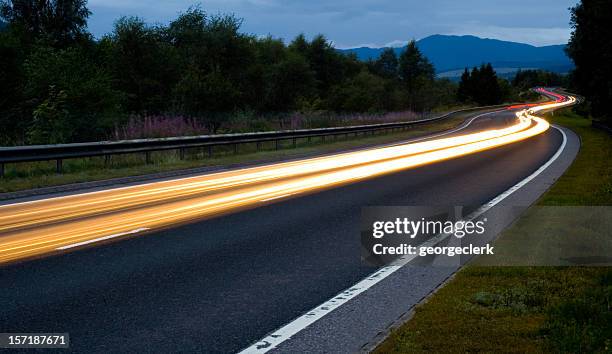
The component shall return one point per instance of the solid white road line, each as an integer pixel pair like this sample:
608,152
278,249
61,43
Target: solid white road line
465,125
102,238
284,333
277,197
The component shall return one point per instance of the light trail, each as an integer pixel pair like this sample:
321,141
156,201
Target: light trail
40,227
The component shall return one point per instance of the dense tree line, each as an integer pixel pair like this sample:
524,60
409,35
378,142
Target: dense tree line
59,84
526,79
590,47
482,86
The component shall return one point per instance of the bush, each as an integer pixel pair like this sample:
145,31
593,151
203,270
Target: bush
159,126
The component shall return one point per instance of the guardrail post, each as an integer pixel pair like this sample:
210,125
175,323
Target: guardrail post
96,149
276,144
148,157
1,170
106,160
235,148
58,165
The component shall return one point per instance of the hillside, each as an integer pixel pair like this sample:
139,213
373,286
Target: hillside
450,54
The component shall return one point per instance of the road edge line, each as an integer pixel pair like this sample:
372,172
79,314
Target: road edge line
284,333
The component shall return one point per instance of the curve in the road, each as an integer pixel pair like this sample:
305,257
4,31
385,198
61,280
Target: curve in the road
58,224
219,285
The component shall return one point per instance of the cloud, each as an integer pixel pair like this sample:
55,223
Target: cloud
396,44
350,23
531,35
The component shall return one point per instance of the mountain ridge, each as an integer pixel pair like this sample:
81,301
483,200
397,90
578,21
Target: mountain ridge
469,51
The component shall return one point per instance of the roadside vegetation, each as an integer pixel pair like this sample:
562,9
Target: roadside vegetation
42,174
61,85
200,74
590,48
526,309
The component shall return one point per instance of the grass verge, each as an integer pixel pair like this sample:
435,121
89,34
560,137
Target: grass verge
526,309
42,174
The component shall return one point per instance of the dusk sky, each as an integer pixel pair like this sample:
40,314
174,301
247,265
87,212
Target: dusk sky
354,23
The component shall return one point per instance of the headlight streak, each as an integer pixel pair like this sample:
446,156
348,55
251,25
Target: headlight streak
76,206
39,227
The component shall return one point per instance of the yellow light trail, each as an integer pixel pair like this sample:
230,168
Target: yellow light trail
46,226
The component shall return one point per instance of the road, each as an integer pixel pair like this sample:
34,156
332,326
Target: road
220,283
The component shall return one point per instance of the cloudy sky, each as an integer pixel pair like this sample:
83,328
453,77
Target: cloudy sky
353,23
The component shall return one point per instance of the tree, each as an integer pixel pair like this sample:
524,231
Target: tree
590,47
387,64
488,89
143,65
51,123
326,62
416,73
300,45
211,94
11,78
414,67
527,79
443,93
59,84
465,88
481,86
69,89
289,81
362,93
60,22
218,63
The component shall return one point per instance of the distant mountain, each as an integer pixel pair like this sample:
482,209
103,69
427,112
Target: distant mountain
451,54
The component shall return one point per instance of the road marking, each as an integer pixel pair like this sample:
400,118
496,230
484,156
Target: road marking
528,179
277,197
102,238
284,333
465,125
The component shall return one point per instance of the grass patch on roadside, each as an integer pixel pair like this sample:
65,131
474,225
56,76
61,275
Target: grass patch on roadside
589,180
42,174
527,309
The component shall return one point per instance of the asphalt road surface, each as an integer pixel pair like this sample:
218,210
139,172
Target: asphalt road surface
218,285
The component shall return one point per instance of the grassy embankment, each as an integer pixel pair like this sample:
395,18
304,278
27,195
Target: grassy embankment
42,174
527,309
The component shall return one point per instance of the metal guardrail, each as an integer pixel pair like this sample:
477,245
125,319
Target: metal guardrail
60,152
